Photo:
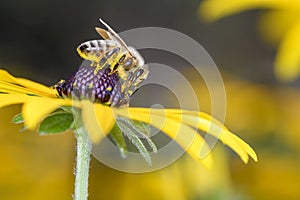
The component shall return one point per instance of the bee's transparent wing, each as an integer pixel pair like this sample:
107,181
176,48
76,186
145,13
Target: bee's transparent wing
111,35
103,33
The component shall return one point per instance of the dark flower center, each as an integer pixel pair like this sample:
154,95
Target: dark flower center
101,86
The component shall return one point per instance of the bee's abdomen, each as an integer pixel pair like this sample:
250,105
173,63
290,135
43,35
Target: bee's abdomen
94,50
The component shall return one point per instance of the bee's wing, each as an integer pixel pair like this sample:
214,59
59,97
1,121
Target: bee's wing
111,34
103,33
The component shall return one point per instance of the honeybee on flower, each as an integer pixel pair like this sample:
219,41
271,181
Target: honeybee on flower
111,75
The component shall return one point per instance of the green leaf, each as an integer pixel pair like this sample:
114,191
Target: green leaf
57,122
117,136
18,119
136,141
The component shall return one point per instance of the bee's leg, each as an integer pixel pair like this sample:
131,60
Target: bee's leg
94,64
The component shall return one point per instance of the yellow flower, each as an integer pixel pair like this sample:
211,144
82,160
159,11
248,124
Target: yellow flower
282,24
38,101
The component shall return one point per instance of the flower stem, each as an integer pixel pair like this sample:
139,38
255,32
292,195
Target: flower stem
84,146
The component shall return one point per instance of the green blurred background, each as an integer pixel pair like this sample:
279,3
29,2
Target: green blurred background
38,41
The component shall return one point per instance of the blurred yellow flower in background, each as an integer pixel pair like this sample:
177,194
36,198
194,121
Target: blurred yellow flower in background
280,24
184,179
268,116
272,121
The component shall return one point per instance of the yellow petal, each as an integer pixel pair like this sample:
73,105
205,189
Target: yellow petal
11,99
10,88
98,120
23,86
211,126
6,77
37,108
287,63
38,88
273,25
185,136
247,148
215,9
207,124
171,112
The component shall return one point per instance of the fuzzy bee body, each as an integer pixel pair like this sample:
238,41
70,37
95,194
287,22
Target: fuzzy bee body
114,72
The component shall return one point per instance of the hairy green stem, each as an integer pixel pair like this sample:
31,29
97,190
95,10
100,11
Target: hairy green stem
84,146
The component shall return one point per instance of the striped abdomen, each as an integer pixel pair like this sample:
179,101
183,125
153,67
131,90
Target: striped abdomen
95,50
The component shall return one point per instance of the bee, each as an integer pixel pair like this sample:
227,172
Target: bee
113,73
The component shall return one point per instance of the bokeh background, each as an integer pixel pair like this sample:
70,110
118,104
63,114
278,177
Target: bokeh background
38,41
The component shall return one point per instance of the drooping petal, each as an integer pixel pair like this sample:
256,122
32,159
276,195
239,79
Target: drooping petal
207,124
215,9
20,85
215,128
287,63
185,136
247,147
37,108
98,120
